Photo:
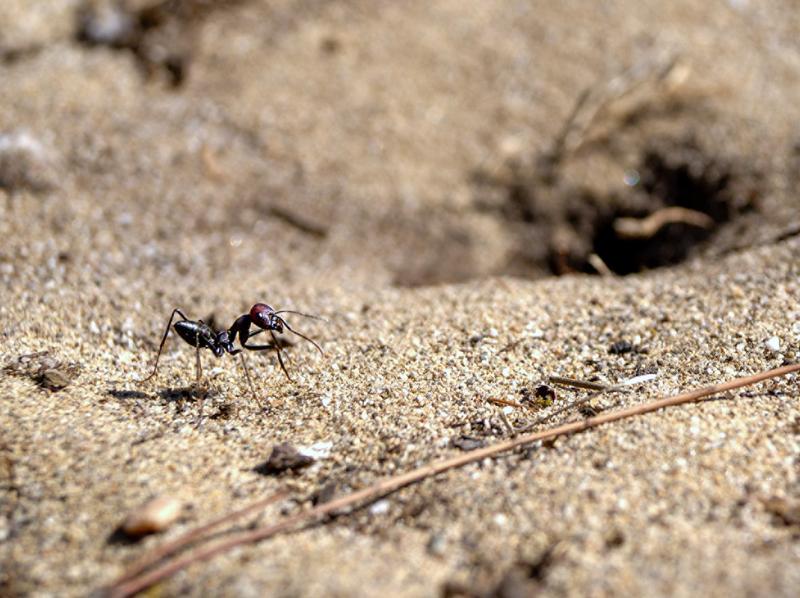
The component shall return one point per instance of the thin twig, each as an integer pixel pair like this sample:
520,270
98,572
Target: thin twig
505,402
299,222
361,498
568,407
180,542
596,262
509,428
572,382
644,228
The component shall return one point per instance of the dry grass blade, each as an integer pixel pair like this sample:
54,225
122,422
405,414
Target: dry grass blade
386,486
644,228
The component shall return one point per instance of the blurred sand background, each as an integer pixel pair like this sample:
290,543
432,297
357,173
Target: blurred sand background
409,171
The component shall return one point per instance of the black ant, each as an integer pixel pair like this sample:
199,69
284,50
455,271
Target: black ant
202,336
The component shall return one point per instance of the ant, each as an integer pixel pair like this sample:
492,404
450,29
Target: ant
203,336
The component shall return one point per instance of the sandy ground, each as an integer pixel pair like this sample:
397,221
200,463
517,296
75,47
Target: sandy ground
381,165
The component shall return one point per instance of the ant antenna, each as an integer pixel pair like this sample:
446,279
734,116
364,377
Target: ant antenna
299,313
301,335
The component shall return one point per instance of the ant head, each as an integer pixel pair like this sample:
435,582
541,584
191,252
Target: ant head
263,316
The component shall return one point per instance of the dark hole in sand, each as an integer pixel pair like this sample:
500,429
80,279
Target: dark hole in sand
681,197
693,182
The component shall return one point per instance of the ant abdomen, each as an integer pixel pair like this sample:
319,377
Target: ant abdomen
196,334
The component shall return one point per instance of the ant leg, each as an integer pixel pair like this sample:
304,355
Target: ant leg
164,339
293,331
276,346
247,375
198,377
280,358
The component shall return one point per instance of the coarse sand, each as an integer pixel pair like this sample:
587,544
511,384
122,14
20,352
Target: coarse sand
391,168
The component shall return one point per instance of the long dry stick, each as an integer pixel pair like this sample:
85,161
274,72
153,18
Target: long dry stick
360,498
184,540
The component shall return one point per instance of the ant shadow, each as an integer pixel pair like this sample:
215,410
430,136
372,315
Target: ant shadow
127,395
184,393
176,394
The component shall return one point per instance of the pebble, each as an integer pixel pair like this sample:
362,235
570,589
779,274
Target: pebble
620,348
773,343
468,443
318,450
380,508
23,162
284,457
152,517
55,379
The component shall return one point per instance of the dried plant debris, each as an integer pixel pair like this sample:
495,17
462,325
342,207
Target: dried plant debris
284,457
224,411
160,33
43,368
784,511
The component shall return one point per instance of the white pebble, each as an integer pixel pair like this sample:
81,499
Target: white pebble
319,450
380,508
773,343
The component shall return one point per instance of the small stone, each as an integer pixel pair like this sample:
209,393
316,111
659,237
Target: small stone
44,369
620,347
284,457
773,343
318,450
380,508
107,24
325,493
153,516
24,163
468,443
475,339
55,379
437,545
785,512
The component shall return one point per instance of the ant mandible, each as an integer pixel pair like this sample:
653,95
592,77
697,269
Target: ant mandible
202,336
